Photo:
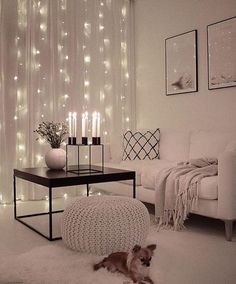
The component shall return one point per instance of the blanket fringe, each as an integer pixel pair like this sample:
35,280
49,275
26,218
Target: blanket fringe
174,219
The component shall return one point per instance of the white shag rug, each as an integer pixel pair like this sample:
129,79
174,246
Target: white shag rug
56,264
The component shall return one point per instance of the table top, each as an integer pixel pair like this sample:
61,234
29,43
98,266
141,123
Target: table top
56,178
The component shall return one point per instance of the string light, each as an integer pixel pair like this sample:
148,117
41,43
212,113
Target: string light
37,63
86,83
87,59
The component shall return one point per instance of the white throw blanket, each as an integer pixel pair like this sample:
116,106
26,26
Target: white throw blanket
176,190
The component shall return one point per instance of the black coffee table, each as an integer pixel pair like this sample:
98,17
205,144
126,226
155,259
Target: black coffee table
58,178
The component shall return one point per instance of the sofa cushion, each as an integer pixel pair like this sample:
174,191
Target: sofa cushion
174,145
150,171
141,145
208,188
148,168
209,143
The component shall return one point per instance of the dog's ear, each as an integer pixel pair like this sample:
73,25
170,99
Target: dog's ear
136,248
152,247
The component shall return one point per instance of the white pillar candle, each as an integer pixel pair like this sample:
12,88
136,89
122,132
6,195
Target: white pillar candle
85,124
74,123
94,124
70,124
98,124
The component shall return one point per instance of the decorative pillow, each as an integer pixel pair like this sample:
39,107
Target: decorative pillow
140,145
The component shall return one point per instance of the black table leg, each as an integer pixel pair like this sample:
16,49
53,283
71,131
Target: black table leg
14,193
134,187
50,213
87,189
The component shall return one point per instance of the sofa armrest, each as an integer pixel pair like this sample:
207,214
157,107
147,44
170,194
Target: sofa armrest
227,185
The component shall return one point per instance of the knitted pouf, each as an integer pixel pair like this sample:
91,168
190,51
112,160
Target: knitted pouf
105,224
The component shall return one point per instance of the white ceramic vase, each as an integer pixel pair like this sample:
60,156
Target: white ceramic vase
55,159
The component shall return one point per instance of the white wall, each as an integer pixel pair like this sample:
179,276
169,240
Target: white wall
160,19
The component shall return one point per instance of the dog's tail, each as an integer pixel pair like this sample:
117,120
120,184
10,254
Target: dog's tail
99,265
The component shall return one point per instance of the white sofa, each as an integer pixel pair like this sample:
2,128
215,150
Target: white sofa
217,194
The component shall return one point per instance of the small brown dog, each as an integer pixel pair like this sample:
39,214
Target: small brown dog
134,264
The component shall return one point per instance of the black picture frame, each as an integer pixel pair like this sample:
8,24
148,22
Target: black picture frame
181,63
221,54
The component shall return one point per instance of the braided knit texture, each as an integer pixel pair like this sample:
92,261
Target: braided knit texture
104,224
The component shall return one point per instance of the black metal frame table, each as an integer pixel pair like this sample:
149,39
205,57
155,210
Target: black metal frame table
58,178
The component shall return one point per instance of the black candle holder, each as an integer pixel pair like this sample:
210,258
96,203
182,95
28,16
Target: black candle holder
96,140
85,168
72,140
85,140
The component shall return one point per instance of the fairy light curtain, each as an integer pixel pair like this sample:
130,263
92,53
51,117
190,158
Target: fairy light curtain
55,57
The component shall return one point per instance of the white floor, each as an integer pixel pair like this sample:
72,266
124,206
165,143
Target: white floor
200,254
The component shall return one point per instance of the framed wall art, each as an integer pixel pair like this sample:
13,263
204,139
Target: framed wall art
181,63
221,54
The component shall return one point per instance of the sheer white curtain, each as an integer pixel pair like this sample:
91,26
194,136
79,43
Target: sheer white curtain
55,57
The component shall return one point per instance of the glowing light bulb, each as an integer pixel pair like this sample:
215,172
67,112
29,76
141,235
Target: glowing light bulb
43,27
123,11
15,78
107,64
101,27
41,140
106,41
21,147
123,45
66,57
43,11
87,59
18,54
15,117
38,91
86,83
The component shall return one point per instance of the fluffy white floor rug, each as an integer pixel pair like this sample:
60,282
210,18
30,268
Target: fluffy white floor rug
56,264
197,255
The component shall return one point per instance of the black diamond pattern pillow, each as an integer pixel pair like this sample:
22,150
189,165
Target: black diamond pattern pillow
141,146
